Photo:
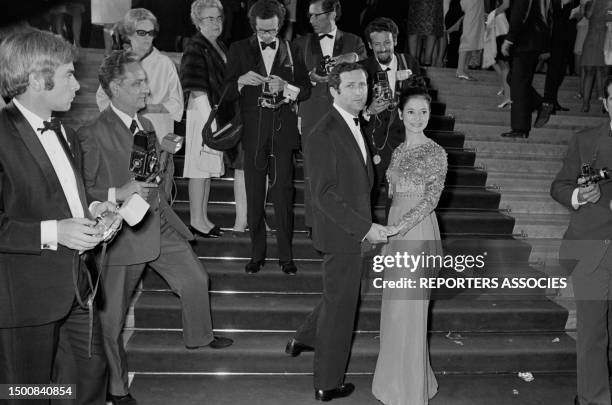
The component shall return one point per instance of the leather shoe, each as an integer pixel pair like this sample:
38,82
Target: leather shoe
543,115
122,400
342,391
253,267
218,342
515,134
289,268
215,232
294,348
559,107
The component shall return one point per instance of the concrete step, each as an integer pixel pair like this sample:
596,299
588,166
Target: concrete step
541,225
528,202
492,132
519,181
517,148
518,164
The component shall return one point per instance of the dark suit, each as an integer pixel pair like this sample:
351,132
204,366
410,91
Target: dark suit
341,183
160,241
529,34
586,244
38,310
385,131
308,51
269,139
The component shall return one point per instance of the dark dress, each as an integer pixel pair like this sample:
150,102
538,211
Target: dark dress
425,17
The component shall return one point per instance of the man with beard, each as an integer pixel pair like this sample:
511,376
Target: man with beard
337,46
384,69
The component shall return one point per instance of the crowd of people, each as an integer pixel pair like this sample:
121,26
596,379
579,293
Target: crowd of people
355,106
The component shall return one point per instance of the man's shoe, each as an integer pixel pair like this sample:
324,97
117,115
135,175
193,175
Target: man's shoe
515,134
294,348
220,342
122,400
543,115
342,391
253,267
289,268
559,107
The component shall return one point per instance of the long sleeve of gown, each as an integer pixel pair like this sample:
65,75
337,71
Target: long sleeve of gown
435,165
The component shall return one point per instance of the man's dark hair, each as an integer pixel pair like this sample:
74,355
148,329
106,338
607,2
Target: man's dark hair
381,24
266,9
329,6
113,68
334,76
607,84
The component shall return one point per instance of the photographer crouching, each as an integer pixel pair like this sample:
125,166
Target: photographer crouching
266,77
582,186
122,161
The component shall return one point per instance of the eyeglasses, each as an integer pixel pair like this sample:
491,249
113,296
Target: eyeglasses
269,32
143,33
316,15
211,20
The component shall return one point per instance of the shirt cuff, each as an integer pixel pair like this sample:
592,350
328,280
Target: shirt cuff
575,202
48,235
112,195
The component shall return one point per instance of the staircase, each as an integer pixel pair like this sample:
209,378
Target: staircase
479,338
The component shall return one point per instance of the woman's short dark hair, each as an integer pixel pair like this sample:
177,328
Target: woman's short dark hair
381,24
113,68
413,92
329,6
266,9
334,75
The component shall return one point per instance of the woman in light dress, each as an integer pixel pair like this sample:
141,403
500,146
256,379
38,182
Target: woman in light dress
472,37
416,177
107,13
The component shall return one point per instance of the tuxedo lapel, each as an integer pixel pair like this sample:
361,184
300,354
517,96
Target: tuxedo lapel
338,43
280,59
350,140
260,66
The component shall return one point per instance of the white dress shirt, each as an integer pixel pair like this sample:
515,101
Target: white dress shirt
355,130
327,44
64,171
392,73
127,120
268,54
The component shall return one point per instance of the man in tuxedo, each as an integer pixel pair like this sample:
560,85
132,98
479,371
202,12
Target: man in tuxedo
586,245
270,134
341,181
45,226
527,38
326,41
160,240
381,114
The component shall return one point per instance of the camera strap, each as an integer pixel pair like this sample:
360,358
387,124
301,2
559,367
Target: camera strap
290,60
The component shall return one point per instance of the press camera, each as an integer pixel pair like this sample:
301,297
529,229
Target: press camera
589,175
325,66
144,160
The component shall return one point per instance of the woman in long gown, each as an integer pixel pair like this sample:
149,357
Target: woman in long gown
416,176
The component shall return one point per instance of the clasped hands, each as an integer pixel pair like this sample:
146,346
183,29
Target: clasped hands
250,78
379,233
590,193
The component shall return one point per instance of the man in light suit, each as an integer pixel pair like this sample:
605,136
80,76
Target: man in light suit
45,225
586,245
327,40
159,241
342,178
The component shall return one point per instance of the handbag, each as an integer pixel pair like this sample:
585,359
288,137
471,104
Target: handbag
226,137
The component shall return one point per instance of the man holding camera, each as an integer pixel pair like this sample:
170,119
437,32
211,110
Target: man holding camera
46,228
387,74
319,52
265,75
586,246
109,144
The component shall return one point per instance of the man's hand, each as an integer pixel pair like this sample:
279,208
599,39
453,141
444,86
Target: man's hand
378,233
135,187
251,78
377,106
505,48
589,194
108,206
544,56
350,57
317,78
276,84
101,207
78,234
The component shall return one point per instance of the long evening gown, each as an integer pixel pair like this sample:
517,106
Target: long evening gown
403,374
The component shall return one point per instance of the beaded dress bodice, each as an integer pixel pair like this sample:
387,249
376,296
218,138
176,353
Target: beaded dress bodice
416,180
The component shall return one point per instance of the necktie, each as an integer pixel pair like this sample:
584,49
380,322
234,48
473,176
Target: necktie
272,45
356,120
134,127
321,36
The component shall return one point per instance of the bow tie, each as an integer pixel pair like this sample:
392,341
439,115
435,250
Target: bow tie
53,124
272,45
321,36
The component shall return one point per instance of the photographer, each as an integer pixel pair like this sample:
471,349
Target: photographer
259,69
387,74
160,240
586,244
329,44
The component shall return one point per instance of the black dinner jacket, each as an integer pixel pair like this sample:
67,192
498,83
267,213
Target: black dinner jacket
341,183
36,285
372,67
528,31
